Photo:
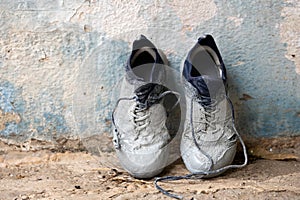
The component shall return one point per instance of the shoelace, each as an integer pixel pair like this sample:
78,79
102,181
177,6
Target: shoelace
140,117
209,111
208,104
209,120
140,108
204,173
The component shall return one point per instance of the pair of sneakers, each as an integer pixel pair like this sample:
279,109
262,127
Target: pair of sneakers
142,135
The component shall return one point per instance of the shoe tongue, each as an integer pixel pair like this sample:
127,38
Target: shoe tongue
148,94
208,88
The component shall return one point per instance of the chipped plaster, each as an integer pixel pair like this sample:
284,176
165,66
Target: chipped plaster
8,118
44,44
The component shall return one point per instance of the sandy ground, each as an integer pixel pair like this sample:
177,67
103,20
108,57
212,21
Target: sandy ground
48,174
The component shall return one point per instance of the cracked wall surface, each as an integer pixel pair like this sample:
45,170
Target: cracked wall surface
60,60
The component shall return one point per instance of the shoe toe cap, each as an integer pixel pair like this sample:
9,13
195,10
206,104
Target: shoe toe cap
144,165
195,161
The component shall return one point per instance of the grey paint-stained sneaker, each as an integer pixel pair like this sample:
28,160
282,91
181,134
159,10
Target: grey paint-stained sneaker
139,118
209,140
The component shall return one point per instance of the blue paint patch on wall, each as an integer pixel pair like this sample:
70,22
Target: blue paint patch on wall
110,69
76,45
54,124
12,102
73,46
255,58
97,79
9,98
51,123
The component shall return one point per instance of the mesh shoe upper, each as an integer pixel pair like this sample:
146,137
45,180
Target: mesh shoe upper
209,140
140,134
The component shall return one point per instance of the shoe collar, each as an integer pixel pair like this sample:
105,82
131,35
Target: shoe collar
142,45
208,42
205,83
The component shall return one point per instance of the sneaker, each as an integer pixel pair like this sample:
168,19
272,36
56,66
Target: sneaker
140,134
209,140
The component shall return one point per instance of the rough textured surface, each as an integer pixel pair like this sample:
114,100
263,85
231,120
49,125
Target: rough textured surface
42,174
44,44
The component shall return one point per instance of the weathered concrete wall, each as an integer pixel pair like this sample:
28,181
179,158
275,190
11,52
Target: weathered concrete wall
43,45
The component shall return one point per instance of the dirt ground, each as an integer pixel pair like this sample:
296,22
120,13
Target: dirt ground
273,172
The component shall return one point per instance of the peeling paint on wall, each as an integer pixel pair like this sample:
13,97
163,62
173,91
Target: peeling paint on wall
255,58
11,109
43,45
6,118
